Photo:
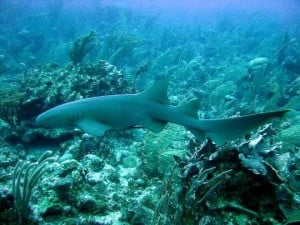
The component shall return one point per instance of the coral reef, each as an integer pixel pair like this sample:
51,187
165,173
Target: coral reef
235,63
291,135
118,47
51,85
289,54
10,102
210,184
159,150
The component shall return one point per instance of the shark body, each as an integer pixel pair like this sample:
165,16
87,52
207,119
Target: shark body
149,109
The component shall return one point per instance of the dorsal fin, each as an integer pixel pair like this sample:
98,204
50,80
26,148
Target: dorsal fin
157,92
190,108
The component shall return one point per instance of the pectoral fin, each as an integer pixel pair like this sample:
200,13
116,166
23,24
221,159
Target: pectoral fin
154,125
92,127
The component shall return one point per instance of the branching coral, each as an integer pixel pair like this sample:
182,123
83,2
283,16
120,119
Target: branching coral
81,47
209,183
159,149
291,135
25,177
289,54
118,45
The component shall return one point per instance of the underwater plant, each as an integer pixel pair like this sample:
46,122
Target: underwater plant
207,181
118,46
82,46
159,150
25,177
289,54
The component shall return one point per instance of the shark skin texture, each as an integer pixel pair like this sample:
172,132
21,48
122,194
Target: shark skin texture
148,109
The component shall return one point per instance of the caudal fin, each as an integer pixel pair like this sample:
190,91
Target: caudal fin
223,130
218,130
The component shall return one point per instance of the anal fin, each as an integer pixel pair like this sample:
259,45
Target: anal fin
92,127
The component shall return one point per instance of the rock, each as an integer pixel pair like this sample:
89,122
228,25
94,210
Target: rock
114,177
86,203
65,156
94,178
68,166
53,210
7,215
62,187
257,62
257,68
131,161
254,164
93,162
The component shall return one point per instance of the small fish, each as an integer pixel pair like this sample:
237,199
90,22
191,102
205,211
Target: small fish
148,109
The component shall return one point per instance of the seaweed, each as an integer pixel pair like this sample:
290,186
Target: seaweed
26,176
119,45
82,46
215,184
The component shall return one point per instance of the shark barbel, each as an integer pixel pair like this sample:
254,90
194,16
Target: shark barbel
149,109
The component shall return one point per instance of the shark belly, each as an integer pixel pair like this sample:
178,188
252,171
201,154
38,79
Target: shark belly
118,112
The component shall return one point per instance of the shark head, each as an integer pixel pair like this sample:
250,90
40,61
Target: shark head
54,118
48,119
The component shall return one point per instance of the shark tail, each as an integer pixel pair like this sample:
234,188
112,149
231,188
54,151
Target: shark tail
222,130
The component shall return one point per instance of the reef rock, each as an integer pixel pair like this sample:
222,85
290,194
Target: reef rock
258,65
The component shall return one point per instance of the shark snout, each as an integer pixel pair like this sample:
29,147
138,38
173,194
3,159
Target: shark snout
39,120
45,119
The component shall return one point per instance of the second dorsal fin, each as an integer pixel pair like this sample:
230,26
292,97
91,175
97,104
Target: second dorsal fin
157,92
190,108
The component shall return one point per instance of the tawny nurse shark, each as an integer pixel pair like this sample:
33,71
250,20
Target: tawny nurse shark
149,109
